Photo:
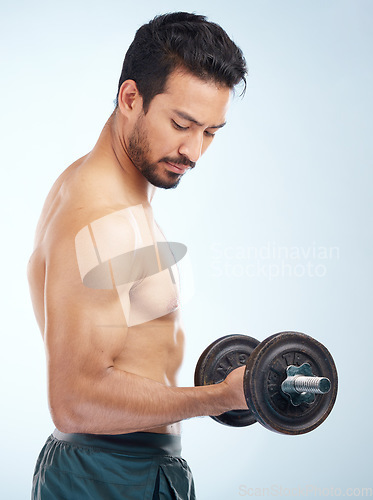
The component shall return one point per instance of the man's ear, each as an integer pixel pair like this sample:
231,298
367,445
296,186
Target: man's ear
129,98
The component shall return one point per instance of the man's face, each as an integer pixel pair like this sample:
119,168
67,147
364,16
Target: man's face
178,128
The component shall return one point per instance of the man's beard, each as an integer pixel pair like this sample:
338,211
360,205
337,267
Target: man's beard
138,150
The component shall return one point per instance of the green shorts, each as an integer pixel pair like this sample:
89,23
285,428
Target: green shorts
141,465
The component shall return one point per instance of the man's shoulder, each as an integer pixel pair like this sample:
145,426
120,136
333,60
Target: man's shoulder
86,205
81,197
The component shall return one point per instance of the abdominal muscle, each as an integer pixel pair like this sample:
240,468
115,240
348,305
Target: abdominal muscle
154,350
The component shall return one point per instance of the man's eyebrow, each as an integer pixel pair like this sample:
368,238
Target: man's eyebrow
185,116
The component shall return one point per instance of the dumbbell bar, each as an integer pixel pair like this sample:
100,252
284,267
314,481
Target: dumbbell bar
290,381
301,384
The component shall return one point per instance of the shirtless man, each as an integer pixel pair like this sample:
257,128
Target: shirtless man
110,321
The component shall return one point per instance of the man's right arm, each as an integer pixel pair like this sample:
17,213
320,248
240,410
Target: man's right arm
87,393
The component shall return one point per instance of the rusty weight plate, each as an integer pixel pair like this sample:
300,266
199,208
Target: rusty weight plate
265,372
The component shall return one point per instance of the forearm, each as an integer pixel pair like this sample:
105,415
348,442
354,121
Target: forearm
121,402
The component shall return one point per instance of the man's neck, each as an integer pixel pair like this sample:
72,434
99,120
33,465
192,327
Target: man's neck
111,150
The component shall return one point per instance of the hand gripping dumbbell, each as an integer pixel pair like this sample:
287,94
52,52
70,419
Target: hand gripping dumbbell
290,381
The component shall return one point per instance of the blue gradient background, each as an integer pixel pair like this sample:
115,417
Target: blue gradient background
292,169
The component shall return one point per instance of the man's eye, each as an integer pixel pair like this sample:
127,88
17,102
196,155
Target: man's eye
178,127
209,134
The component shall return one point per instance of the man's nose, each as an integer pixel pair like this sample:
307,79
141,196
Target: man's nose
192,147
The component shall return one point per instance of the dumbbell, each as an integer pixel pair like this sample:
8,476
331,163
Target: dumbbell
290,381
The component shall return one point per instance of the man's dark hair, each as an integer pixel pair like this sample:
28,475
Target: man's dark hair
185,41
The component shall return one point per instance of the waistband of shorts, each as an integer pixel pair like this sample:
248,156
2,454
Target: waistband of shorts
133,444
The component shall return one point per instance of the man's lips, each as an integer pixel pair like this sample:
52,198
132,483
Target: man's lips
179,169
